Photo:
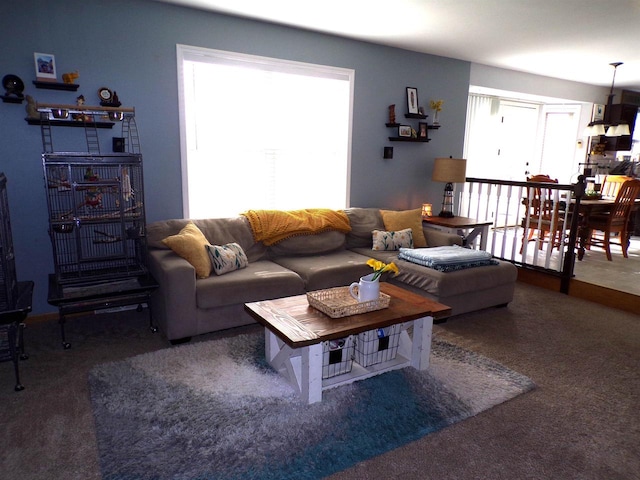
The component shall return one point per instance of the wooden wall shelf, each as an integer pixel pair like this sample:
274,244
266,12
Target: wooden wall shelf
388,151
11,99
409,139
70,123
70,87
42,107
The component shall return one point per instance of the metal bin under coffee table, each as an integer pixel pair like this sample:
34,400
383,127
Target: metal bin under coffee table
295,332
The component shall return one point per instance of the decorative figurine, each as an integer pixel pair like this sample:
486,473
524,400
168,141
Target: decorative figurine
70,77
13,86
392,113
31,108
115,102
81,117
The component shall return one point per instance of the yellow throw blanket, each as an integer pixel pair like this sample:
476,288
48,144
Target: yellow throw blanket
272,226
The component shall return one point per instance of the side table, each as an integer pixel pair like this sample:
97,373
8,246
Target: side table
468,228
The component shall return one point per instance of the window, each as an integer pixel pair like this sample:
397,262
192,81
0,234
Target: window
262,133
512,139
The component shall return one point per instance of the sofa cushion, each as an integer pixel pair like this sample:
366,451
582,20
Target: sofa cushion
383,240
309,244
339,268
399,220
260,280
191,244
227,258
218,231
363,221
273,226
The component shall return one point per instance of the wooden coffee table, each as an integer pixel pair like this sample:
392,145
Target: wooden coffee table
295,332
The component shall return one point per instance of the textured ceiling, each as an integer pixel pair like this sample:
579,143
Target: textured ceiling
568,39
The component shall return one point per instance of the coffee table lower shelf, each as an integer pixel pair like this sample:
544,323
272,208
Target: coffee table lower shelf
302,366
358,372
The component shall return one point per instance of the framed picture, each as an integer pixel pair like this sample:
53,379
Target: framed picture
422,130
45,66
404,131
598,112
412,100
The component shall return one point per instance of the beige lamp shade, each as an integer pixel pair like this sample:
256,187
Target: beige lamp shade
594,130
449,170
618,130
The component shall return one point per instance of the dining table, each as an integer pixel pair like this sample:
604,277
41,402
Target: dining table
596,206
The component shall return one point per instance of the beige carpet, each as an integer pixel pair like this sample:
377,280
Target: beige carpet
581,422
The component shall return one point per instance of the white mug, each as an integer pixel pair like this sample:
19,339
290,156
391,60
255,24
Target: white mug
368,290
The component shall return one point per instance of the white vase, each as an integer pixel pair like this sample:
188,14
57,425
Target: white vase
436,113
367,289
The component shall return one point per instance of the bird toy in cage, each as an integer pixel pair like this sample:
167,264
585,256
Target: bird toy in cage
127,190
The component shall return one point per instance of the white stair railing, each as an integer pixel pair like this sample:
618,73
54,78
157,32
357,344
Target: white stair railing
504,203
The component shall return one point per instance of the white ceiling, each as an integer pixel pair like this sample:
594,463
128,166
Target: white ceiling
568,39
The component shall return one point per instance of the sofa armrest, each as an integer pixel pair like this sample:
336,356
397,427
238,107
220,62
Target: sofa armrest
438,238
174,303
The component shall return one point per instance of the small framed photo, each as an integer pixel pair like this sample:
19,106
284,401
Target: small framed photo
404,131
423,131
412,100
598,112
45,66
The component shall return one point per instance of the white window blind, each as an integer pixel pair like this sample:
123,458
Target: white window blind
262,133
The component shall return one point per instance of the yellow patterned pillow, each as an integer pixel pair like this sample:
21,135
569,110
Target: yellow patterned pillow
399,220
191,244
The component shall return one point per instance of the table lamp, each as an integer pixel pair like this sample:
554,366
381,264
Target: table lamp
449,170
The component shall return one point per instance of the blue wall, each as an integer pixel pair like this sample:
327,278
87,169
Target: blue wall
130,47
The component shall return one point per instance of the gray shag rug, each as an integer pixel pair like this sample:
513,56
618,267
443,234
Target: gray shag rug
216,410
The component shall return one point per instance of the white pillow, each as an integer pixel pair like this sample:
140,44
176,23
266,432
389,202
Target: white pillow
383,240
227,258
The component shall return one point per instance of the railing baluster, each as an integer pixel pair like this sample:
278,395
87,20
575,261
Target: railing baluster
502,202
505,226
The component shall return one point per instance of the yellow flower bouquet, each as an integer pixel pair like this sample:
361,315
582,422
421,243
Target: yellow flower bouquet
379,268
436,105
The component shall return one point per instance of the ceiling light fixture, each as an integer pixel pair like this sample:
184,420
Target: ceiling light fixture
605,127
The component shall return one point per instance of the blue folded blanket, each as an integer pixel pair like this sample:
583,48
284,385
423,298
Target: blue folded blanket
447,259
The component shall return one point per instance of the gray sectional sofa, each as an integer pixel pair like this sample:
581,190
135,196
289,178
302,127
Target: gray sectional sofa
185,305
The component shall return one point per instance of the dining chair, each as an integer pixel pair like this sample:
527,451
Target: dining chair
615,221
611,185
543,215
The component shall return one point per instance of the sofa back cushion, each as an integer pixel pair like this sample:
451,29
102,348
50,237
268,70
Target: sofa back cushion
363,222
316,244
218,231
